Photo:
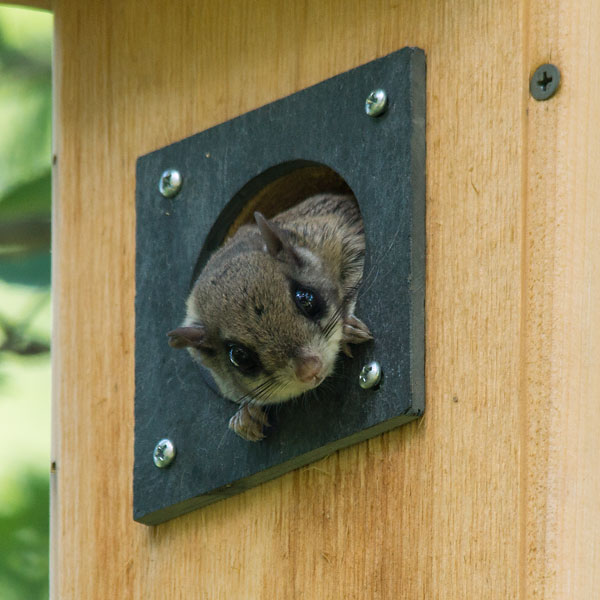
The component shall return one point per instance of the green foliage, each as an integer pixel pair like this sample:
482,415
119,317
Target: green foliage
25,207
25,232
25,122
16,337
30,199
25,95
24,539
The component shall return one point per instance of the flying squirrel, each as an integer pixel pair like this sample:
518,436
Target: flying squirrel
274,306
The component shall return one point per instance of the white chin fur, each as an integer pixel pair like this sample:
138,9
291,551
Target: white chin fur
327,351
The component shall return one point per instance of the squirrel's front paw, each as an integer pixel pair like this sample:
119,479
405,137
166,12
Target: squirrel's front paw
354,332
248,423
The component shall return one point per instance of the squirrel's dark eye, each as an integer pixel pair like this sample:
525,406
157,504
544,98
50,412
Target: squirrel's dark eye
308,302
243,359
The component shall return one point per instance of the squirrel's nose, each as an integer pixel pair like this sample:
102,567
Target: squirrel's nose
308,368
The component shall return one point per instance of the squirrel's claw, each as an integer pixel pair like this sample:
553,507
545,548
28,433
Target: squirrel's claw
354,332
248,423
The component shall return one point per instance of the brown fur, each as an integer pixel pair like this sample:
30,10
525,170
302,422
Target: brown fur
244,295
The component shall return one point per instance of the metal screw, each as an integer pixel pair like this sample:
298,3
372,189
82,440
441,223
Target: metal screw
376,103
370,375
544,82
170,183
164,453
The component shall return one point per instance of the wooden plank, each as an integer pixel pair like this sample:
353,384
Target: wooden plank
492,494
561,320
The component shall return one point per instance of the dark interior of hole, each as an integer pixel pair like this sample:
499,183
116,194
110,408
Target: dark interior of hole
271,192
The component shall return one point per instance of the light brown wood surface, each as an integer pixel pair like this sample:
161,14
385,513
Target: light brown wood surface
495,492
560,371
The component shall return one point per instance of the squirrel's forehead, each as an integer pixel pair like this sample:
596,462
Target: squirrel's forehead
264,279
255,268
238,278
261,290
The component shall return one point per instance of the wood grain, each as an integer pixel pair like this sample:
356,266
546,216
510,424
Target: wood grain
561,317
493,494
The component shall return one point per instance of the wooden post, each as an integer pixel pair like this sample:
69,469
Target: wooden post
494,493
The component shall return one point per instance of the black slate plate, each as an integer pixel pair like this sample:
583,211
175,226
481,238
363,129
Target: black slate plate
383,161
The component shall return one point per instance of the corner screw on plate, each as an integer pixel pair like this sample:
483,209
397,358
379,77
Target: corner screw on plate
370,375
376,103
170,183
544,82
164,453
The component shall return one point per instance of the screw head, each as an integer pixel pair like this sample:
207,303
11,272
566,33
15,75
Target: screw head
544,82
370,375
164,453
376,103
170,183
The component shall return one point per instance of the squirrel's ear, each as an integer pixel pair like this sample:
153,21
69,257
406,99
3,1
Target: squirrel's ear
276,239
194,337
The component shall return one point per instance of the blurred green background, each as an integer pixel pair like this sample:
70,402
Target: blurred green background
25,159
